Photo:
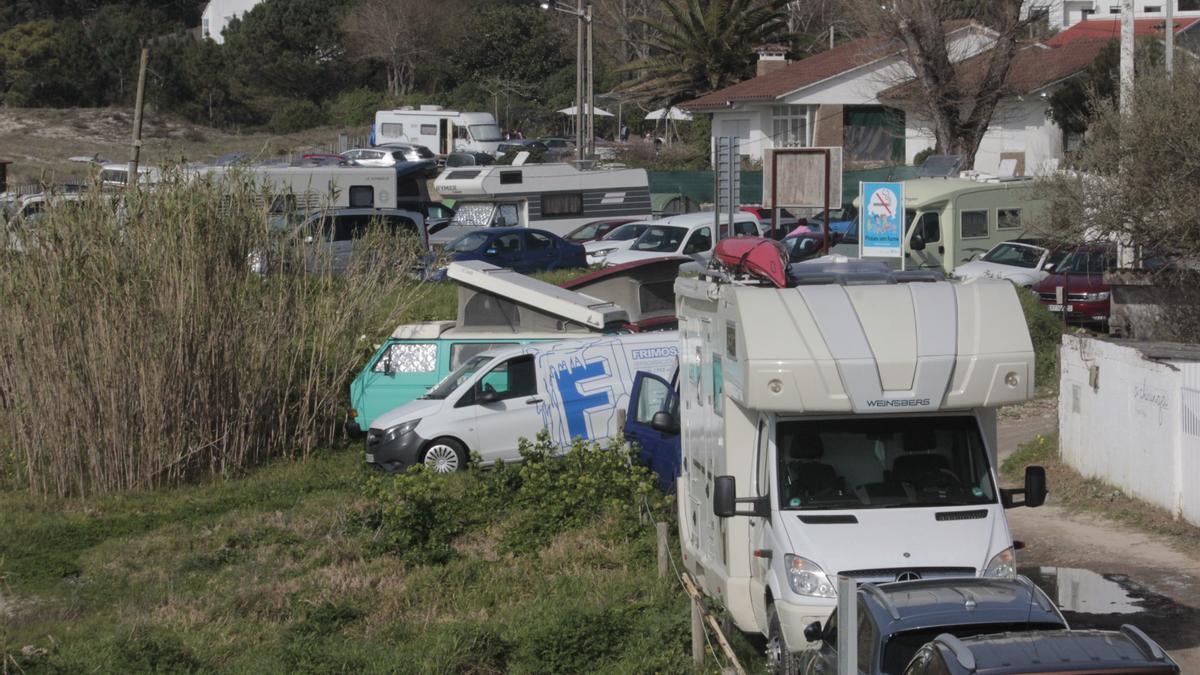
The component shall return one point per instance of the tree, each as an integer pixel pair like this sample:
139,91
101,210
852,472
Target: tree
957,106
395,34
1073,105
44,63
702,45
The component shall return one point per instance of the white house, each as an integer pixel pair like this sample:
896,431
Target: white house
218,13
1066,13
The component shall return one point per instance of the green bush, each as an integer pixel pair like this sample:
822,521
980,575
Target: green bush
292,116
420,513
921,156
357,107
1045,329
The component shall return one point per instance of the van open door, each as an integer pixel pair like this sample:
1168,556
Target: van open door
445,136
653,423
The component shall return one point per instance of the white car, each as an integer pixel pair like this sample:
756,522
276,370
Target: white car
1021,261
690,234
619,239
388,155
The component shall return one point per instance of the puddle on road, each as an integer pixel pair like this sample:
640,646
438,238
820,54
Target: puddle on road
1106,601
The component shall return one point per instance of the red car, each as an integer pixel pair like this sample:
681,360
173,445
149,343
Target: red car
595,230
1085,296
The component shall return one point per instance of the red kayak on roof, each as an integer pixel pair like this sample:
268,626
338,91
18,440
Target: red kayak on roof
761,258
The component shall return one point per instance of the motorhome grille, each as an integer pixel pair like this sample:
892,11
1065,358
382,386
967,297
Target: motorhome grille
828,520
889,574
962,515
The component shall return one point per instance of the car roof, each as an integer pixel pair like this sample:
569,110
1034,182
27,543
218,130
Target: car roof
1058,650
910,605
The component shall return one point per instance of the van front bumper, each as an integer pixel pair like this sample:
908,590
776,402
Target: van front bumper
396,454
793,617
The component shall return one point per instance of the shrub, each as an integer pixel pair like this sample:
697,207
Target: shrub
291,116
921,156
420,513
1045,329
357,107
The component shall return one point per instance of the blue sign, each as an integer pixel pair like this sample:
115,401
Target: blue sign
882,220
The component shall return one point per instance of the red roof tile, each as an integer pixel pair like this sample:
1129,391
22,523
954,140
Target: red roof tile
1110,29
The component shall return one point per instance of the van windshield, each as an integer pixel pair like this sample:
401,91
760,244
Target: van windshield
887,462
460,374
626,232
660,238
473,214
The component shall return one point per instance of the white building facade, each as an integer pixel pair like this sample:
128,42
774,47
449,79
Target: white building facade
1066,13
217,15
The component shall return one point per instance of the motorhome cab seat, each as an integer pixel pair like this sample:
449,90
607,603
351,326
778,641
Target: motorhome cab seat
809,478
920,466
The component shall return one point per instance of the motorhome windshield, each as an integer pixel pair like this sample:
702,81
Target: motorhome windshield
660,238
886,462
460,374
485,132
473,214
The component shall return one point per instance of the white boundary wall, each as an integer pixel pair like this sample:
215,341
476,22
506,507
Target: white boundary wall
1132,422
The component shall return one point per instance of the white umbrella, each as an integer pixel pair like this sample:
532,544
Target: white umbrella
598,112
672,114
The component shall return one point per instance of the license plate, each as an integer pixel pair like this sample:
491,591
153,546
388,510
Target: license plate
370,458
1059,308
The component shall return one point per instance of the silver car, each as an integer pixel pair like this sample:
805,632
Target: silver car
388,155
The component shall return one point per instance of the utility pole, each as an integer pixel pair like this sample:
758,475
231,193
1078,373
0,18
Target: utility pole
579,75
1127,55
1170,40
591,98
136,150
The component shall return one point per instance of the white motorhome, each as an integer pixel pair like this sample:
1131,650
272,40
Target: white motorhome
443,131
852,413
312,188
554,197
573,389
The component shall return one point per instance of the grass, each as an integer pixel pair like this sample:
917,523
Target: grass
1080,494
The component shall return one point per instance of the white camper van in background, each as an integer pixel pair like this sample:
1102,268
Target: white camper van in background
443,131
854,426
573,389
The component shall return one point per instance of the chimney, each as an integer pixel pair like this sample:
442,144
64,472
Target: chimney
771,57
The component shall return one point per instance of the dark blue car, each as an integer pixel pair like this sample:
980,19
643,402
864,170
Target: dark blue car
518,248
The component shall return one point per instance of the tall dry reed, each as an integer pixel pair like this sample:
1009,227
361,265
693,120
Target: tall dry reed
137,350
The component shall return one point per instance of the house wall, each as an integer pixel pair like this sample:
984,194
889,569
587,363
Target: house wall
218,13
749,118
1132,422
1018,126
1064,13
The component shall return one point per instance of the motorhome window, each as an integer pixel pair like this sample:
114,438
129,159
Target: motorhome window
701,240
563,204
761,461
473,214
362,196
429,130
507,216
1008,219
538,242
660,238
468,242
1016,255
510,177
887,462
626,232
731,340
485,132
515,378
407,357
391,129
456,377
460,133
972,224
461,351
488,310
718,385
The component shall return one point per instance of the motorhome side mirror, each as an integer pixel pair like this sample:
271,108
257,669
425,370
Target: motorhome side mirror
917,243
812,632
724,494
1035,486
665,422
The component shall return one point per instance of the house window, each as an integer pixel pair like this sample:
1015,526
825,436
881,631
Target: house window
570,204
789,126
204,27
973,224
1152,9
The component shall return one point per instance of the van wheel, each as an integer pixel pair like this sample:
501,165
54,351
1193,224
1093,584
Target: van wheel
445,455
780,660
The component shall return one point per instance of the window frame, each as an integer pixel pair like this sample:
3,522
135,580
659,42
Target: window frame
562,204
354,194
987,216
1000,219
386,360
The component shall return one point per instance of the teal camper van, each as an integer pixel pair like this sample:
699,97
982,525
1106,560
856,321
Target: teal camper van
501,308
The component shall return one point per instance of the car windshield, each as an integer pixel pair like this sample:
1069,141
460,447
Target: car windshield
660,238
887,462
474,214
1084,262
626,232
460,374
1017,255
468,242
485,132
900,648
585,233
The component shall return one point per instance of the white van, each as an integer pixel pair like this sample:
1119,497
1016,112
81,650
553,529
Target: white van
690,234
573,388
851,419
443,131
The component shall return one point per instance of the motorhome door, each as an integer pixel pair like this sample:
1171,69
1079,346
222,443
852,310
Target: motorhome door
445,136
762,539
926,244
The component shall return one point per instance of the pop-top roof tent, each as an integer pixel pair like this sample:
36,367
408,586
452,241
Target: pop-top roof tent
850,336
645,288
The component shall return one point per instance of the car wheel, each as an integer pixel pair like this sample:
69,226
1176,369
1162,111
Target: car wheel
445,455
780,660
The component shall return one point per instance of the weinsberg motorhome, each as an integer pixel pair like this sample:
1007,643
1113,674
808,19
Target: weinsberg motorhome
554,197
443,131
853,405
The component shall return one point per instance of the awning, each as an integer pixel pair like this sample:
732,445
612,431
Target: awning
672,114
598,112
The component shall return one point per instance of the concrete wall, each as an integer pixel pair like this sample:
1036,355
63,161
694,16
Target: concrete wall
1018,126
1132,422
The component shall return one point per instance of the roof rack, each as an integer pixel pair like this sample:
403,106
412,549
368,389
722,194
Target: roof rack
1143,642
965,658
883,599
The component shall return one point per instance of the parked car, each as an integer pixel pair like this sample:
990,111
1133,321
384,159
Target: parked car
521,145
321,159
525,250
1081,276
1094,652
619,239
330,236
597,229
690,234
1021,261
840,220
787,221
393,154
557,143
896,619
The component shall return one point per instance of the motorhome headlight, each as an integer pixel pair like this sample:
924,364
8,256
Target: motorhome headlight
400,429
1003,564
807,578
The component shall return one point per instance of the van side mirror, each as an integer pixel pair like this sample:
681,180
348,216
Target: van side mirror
1034,492
665,422
917,243
725,500
812,632
487,396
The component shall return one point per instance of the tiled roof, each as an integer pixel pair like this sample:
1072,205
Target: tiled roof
1110,29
